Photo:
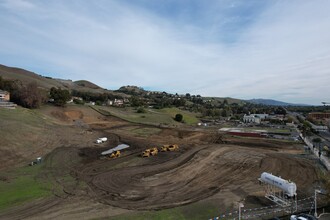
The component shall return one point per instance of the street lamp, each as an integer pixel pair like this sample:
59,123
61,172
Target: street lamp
240,205
315,201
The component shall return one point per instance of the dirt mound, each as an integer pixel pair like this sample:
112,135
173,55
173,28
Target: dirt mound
67,115
60,115
74,115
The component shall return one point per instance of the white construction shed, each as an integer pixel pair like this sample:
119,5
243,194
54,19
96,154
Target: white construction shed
119,147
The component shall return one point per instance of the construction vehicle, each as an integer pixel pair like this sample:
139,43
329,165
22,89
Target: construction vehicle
173,147
164,148
146,153
115,154
153,151
150,152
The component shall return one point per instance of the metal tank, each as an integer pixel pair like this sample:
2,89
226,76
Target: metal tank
288,187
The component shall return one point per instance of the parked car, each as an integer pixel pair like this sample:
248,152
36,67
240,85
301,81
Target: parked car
302,217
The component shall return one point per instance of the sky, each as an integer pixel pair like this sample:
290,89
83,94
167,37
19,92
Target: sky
274,49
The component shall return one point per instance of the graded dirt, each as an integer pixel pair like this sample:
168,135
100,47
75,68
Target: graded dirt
209,167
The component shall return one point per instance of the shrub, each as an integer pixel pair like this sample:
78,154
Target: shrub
141,110
178,117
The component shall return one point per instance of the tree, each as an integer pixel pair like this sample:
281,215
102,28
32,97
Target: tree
141,110
60,96
178,117
31,96
136,101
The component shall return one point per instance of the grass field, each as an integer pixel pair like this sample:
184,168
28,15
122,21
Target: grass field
21,185
194,211
152,116
19,122
188,117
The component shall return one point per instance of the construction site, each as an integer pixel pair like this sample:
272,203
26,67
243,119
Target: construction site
162,169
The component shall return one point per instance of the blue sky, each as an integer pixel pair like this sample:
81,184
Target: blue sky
227,48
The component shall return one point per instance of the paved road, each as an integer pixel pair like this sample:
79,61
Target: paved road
325,216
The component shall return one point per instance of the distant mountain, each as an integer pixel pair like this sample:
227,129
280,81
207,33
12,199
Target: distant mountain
272,102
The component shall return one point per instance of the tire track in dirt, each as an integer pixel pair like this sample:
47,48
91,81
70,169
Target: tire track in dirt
188,178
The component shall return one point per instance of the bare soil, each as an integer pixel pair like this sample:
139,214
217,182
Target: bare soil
209,166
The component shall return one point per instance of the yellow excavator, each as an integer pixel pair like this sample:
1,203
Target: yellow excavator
173,147
115,154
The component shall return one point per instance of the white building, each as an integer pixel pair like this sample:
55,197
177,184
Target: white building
261,116
254,118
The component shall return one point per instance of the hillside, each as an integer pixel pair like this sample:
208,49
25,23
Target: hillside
12,73
26,77
87,84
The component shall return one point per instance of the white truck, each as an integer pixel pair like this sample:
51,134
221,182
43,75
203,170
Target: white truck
101,140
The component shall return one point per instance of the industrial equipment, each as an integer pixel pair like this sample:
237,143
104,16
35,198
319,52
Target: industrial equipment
146,153
153,151
278,190
150,152
164,148
115,154
288,187
173,147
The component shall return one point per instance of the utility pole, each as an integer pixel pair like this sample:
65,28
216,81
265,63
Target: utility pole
240,205
315,201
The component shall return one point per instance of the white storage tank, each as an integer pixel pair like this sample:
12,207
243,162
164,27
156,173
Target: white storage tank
288,187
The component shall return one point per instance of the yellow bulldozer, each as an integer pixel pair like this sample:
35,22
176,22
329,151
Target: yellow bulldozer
173,147
150,152
153,151
115,154
164,148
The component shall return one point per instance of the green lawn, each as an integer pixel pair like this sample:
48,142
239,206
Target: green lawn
152,116
188,117
22,185
195,211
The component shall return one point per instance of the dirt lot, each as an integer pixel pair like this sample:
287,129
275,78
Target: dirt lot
209,167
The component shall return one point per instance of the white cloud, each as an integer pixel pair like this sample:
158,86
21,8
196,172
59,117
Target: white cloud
282,52
17,4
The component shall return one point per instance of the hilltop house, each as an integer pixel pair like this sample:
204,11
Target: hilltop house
4,96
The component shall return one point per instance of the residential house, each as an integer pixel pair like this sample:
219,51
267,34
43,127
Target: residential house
4,96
